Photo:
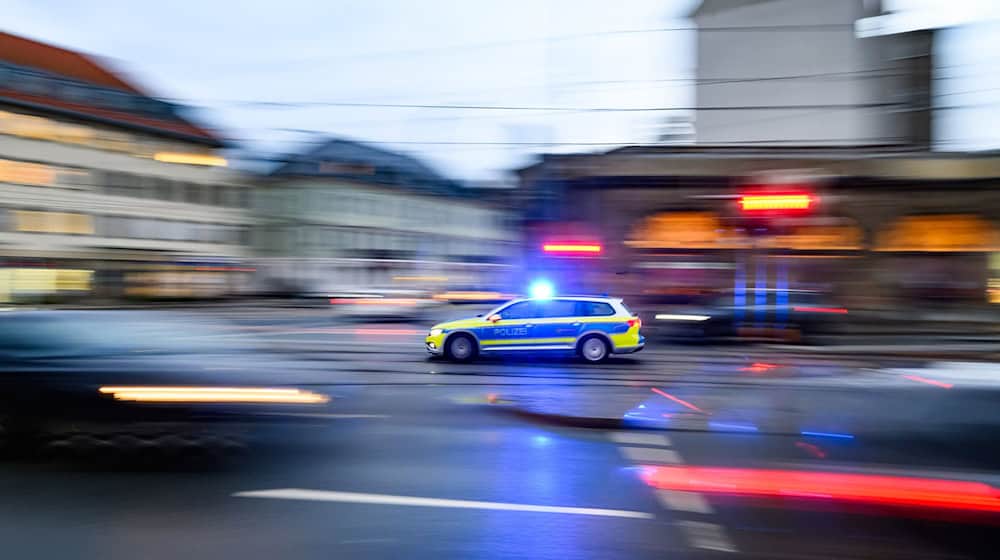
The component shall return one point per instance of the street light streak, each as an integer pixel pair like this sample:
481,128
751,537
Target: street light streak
681,402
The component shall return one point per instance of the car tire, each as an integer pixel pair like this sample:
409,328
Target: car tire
460,348
594,349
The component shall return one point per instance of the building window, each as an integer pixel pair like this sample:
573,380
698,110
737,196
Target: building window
53,222
243,198
192,193
120,184
162,189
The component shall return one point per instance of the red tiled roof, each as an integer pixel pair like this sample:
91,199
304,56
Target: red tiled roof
175,126
33,54
26,52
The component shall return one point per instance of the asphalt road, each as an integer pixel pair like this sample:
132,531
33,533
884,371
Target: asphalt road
411,464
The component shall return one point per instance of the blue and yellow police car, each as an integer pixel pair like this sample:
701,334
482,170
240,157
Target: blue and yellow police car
591,327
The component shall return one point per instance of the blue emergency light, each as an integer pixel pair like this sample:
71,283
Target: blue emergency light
541,289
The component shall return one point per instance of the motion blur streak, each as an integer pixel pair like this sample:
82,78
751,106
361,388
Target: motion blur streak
387,332
676,400
214,394
675,317
838,310
758,367
919,379
827,434
190,159
873,489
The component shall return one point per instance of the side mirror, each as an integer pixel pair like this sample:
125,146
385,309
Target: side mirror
493,318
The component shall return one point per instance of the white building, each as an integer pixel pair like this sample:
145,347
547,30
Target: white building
107,191
347,215
796,72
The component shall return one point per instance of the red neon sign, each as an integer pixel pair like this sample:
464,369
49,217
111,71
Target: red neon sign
572,248
764,202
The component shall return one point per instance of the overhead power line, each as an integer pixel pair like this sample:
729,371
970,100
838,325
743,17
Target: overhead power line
586,35
306,104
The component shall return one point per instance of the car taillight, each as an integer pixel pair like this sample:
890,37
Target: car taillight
634,322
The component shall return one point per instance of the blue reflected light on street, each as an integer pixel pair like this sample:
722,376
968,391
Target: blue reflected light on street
828,435
732,426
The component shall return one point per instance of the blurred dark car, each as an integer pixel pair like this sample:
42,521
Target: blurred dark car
789,315
122,378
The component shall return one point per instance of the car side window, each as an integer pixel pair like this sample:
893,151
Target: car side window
557,308
520,310
594,309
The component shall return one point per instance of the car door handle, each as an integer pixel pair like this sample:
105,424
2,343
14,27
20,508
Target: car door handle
529,325
575,325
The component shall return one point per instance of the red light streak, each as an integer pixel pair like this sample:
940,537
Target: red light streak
839,310
759,367
813,450
858,488
571,248
919,379
676,400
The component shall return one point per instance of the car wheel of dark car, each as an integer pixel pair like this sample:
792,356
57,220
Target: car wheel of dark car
461,348
593,349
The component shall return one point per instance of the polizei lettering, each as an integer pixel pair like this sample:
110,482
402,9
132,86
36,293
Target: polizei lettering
510,331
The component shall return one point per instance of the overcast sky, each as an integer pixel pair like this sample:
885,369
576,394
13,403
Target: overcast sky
521,53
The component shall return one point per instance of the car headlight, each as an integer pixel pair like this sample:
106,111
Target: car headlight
435,332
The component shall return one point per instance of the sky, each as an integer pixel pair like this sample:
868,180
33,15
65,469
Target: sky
259,70
521,53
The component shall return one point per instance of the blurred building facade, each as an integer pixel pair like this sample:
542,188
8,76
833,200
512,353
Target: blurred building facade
794,72
107,191
885,229
347,215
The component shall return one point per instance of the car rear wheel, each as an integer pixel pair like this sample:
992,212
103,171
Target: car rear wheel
461,348
593,349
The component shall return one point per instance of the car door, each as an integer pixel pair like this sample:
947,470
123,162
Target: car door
513,330
558,324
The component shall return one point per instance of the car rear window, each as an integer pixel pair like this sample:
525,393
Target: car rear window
594,309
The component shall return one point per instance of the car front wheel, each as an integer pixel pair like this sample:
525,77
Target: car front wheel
461,348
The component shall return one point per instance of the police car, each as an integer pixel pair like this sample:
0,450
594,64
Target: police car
591,327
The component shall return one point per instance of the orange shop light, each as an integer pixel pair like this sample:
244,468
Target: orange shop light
756,202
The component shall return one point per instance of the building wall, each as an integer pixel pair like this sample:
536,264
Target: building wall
86,206
318,235
805,53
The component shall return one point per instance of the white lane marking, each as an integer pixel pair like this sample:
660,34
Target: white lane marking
639,438
678,500
387,499
707,536
651,455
